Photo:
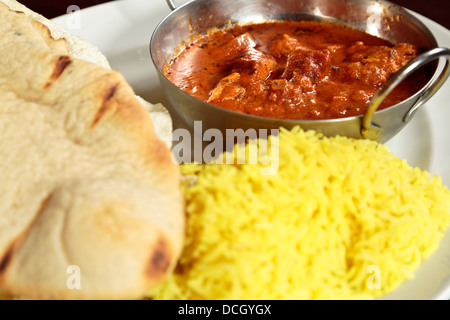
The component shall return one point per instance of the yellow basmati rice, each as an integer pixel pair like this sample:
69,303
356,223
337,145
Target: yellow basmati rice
337,211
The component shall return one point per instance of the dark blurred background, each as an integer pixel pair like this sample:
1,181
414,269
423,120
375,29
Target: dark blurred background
437,10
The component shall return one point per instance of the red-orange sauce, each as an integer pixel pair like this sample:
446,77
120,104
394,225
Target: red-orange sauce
292,70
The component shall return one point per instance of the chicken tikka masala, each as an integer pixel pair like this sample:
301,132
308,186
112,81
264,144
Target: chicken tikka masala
301,70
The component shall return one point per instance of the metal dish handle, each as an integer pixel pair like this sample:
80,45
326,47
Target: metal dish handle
171,4
373,132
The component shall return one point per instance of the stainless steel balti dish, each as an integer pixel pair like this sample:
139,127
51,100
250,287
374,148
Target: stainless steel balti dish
379,18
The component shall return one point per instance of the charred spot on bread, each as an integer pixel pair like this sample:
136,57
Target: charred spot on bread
110,92
108,95
61,64
4,261
56,45
41,27
160,259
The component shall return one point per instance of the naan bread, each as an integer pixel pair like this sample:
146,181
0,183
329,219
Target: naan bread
90,206
79,48
76,46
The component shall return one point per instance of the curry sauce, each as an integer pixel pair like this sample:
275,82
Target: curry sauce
292,69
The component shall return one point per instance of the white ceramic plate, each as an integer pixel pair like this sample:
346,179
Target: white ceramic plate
122,31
